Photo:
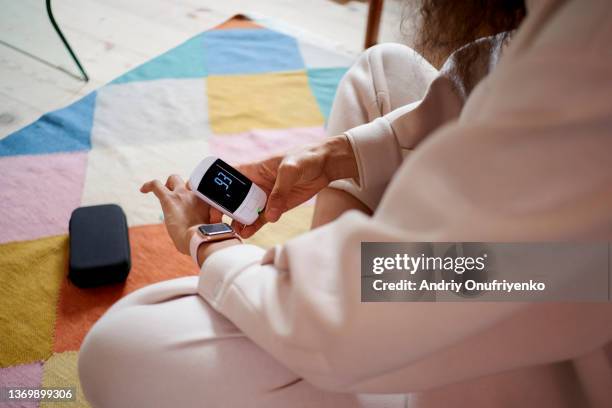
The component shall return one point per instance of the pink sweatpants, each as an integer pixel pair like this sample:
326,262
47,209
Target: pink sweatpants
164,346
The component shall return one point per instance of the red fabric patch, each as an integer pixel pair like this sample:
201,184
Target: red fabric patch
237,21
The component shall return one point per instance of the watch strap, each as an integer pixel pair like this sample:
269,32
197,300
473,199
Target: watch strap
198,239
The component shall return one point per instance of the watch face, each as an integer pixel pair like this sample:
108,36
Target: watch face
225,185
215,229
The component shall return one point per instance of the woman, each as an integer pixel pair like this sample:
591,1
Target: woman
419,156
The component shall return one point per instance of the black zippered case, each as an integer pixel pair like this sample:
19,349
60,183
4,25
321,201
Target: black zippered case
99,246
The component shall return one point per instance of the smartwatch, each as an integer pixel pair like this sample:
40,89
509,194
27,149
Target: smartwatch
210,233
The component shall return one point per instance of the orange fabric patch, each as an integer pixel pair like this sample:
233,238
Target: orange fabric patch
154,259
238,21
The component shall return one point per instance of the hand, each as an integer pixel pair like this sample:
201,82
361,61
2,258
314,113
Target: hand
182,209
292,179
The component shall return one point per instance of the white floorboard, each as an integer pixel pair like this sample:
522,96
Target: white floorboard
112,36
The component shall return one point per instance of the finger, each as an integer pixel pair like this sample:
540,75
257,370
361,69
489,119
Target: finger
263,173
250,230
247,231
174,181
215,216
157,188
288,175
188,185
237,226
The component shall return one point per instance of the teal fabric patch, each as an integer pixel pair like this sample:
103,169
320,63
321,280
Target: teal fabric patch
184,61
323,83
63,130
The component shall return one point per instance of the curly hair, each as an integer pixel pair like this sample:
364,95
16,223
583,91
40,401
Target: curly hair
443,26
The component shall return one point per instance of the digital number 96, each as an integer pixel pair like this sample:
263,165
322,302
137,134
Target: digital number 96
222,180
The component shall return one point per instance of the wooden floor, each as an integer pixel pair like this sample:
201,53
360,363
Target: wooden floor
112,36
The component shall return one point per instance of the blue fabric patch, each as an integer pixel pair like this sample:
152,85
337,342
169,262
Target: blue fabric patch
248,51
64,130
323,82
184,61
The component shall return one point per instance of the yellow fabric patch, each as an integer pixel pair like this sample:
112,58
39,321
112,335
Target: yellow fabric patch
237,103
61,371
291,224
30,277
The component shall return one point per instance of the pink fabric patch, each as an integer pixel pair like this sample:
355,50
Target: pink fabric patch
38,194
27,375
255,145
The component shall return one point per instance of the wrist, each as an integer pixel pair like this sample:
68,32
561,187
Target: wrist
206,249
200,247
189,233
340,161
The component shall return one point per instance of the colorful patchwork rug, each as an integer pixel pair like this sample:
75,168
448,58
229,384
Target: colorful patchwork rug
241,91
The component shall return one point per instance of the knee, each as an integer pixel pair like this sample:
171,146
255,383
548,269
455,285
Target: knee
105,365
394,57
395,71
126,361
129,356
388,50
165,346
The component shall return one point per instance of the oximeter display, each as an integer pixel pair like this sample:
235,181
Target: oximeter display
225,185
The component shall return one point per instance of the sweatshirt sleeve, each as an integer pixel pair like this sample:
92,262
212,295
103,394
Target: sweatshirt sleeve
380,146
301,303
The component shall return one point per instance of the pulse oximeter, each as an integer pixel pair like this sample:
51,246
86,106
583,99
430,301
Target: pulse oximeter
227,190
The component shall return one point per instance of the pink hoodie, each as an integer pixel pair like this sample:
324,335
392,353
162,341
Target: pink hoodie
527,157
